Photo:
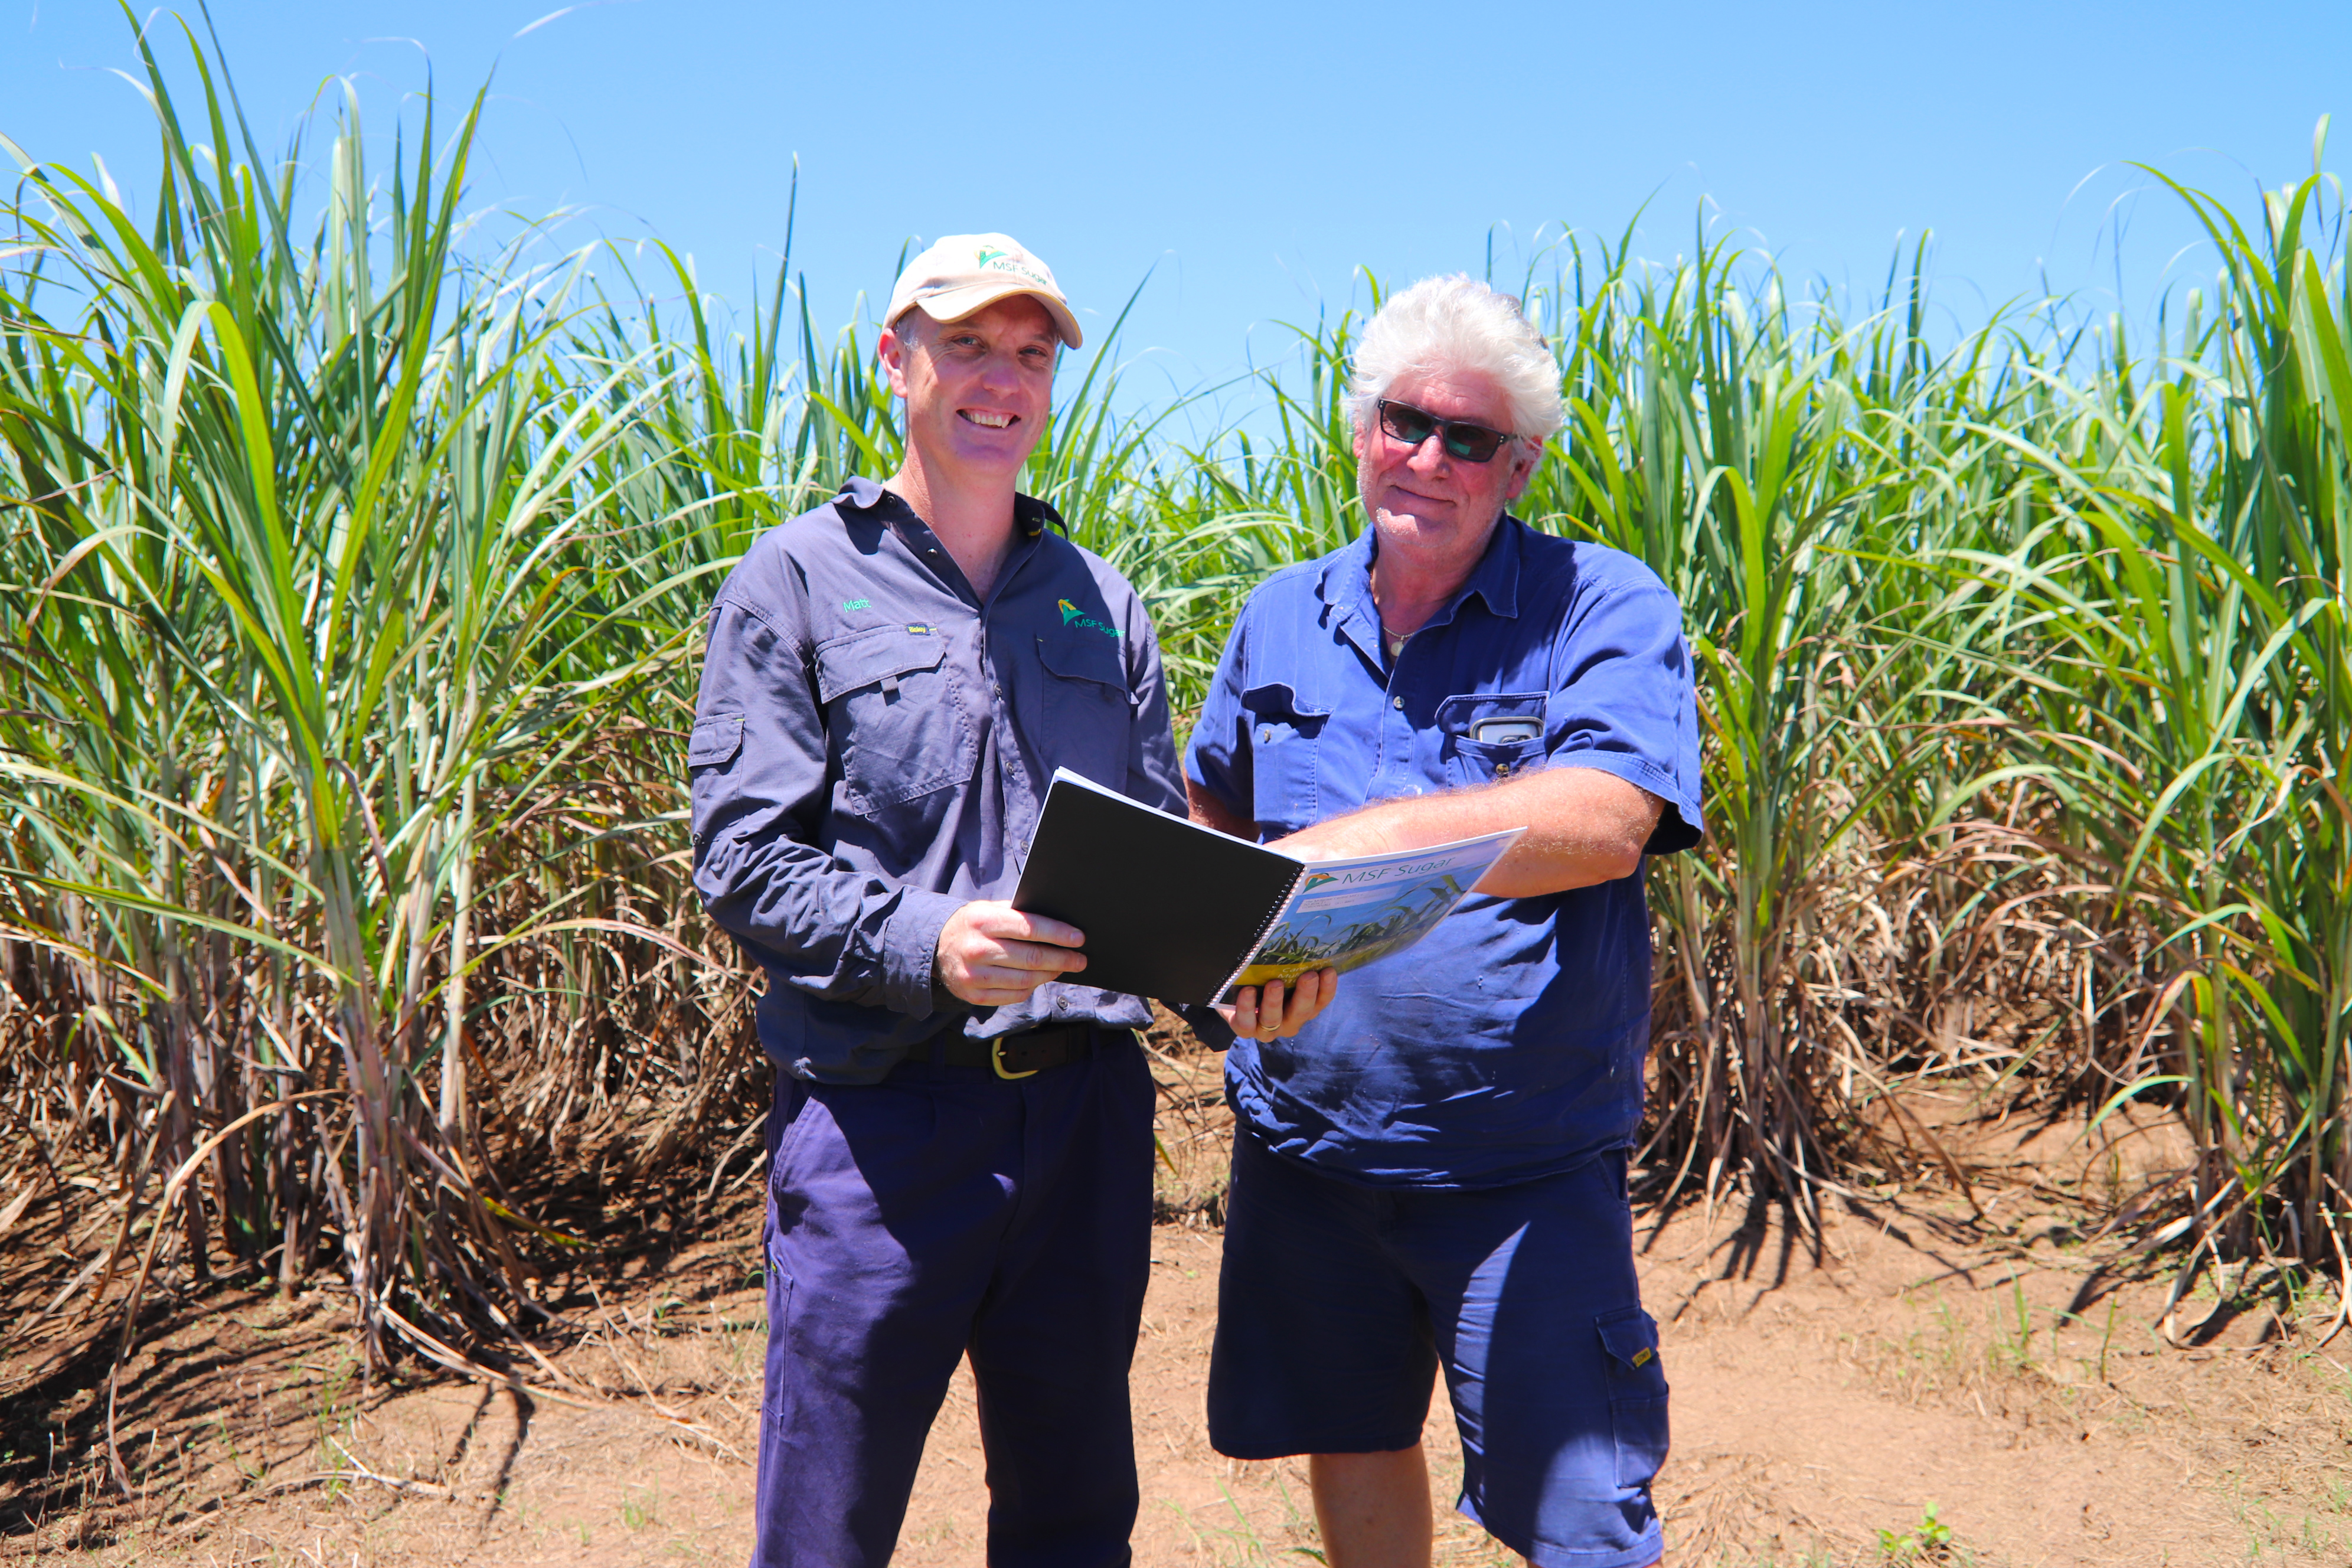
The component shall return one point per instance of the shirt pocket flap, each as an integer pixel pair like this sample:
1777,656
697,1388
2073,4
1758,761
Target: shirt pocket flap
1630,1339
1097,661
883,653
1277,699
715,740
1483,715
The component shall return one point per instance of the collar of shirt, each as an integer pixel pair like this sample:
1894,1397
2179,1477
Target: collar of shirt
1029,517
1032,516
1346,584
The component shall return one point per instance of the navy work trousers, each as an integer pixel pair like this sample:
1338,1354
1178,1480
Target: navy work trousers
942,1212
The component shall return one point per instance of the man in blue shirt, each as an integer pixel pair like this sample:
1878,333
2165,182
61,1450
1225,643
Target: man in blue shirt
1434,1171
962,1138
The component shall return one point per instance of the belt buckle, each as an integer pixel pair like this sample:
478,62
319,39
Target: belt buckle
996,1060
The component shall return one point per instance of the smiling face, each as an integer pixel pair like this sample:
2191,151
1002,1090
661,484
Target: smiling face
1433,510
978,390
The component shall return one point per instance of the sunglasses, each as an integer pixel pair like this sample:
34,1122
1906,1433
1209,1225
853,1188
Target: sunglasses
1411,427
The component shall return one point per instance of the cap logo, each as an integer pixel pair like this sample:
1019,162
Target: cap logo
949,278
990,261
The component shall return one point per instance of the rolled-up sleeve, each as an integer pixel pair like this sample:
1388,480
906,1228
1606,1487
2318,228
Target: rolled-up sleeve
758,763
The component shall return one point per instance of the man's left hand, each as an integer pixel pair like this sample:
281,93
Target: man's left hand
1277,1011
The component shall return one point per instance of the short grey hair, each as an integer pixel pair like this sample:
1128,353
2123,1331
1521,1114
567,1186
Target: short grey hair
1452,324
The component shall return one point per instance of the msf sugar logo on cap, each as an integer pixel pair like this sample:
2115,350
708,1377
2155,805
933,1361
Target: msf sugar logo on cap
966,272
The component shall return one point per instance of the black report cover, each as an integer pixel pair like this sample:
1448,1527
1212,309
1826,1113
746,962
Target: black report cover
1170,908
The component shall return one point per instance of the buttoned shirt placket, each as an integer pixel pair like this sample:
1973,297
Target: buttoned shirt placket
926,547
1393,774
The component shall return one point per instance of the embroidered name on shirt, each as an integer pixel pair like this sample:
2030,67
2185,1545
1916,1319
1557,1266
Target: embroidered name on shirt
857,604
1073,616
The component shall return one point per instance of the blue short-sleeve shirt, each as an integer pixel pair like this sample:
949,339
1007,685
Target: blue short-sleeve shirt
1508,1043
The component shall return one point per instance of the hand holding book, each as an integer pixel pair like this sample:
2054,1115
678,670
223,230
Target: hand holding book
992,955
1276,1011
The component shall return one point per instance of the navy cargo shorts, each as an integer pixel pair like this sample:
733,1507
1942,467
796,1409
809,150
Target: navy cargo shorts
941,1211
1338,1301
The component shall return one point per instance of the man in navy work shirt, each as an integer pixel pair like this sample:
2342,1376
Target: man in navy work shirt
961,1137
1434,1171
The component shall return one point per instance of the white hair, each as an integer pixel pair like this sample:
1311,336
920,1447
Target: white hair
1448,325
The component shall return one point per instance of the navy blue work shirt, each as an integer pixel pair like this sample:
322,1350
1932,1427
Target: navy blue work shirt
1507,1044
871,748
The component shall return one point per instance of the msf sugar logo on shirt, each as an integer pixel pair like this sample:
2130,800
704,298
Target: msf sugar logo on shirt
1073,616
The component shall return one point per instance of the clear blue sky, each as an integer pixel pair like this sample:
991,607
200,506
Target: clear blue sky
1251,156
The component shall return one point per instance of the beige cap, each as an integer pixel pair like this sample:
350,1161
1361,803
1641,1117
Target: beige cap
969,272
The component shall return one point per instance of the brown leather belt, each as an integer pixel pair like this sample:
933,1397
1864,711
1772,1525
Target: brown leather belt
1031,1051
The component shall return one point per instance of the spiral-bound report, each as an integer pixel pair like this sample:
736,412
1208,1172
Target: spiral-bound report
1184,913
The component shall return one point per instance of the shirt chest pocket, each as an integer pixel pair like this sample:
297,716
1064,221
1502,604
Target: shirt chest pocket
1491,736
893,716
1285,730
1089,712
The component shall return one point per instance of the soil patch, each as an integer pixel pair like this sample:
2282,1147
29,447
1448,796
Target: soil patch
1948,1376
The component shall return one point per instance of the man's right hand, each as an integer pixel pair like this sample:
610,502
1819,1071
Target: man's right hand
1264,1013
992,955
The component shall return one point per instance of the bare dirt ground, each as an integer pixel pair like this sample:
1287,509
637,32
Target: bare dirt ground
1977,1353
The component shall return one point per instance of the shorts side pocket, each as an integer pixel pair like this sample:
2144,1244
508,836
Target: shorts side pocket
1637,1394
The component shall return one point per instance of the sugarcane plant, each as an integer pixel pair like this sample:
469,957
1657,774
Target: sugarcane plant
302,585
